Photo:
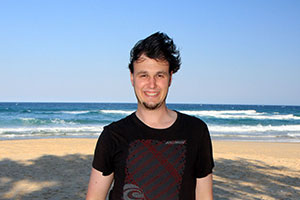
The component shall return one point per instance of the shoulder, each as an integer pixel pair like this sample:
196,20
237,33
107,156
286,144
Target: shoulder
115,132
192,121
196,129
120,125
193,127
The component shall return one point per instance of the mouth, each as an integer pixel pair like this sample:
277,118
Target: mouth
151,94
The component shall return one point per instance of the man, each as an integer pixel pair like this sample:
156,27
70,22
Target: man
155,153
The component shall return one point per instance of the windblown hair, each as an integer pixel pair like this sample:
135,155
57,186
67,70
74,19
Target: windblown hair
157,46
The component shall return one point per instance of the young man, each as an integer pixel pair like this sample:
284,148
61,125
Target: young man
155,153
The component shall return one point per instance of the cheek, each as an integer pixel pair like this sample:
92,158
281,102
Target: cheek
165,84
137,84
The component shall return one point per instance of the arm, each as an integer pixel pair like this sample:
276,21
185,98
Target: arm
204,188
98,185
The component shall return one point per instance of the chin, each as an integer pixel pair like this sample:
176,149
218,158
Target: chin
152,106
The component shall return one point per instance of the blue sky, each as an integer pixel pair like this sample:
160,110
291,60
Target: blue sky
233,52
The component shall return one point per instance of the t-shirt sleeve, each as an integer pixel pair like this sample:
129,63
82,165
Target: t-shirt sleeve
205,162
103,153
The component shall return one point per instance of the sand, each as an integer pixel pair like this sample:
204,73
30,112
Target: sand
60,168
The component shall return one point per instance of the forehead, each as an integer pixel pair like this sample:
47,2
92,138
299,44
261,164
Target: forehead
145,63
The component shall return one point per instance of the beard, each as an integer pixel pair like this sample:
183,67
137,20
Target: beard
151,106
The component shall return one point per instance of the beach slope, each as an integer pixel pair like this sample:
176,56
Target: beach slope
60,168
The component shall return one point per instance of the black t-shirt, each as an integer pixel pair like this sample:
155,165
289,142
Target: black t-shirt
151,163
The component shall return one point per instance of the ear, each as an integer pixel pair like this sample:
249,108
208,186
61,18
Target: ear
170,80
131,79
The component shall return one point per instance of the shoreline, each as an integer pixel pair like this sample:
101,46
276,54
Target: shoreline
97,136
59,168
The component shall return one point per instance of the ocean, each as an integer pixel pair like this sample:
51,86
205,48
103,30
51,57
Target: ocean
86,120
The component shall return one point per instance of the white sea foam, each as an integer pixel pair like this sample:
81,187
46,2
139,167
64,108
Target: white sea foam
76,112
44,131
221,112
123,112
30,120
265,138
27,119
242,136
294,134
291,130
42,121
60,121
241,114
254,129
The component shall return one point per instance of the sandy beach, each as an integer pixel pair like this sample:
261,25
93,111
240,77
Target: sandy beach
60,168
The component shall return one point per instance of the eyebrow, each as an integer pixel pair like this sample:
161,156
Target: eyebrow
141,72
145,72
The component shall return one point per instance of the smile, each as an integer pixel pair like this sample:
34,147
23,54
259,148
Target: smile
151,94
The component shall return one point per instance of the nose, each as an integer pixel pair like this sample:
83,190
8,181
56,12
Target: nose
152,82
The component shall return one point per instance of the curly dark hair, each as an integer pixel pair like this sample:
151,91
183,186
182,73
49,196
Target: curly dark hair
157,46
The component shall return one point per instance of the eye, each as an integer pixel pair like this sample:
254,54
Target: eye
143,75
160,75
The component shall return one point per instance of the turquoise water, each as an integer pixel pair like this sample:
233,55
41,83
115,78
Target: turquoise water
225,122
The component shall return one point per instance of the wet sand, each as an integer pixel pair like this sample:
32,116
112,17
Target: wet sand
60,169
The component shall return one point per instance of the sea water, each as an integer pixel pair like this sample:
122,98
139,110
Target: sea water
225,122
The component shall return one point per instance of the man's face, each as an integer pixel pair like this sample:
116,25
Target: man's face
151,80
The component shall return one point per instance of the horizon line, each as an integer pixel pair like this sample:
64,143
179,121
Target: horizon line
115,102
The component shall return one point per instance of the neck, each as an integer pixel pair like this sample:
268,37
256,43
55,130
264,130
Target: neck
160,118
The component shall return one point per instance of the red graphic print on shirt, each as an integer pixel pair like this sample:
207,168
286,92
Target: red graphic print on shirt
154,169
